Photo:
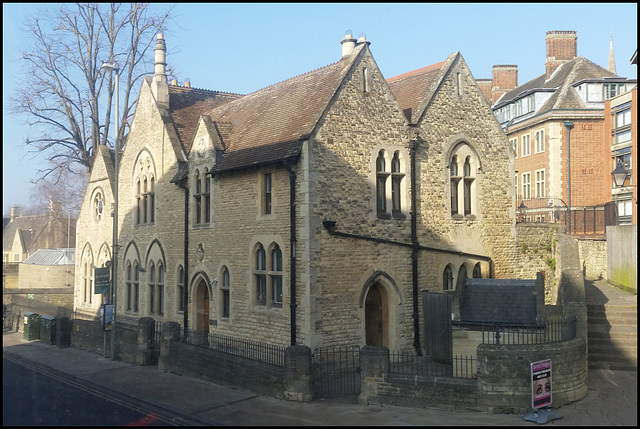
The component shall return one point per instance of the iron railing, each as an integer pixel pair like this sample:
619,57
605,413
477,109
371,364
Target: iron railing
550,332
580,220
408,362
254,350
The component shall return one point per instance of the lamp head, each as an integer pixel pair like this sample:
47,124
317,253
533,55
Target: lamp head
110,67
619,175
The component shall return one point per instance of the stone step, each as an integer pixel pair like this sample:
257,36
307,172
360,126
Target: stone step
614,342
615,366
614,329
610,349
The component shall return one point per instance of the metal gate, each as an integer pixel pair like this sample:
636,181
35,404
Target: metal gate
438,336
336,371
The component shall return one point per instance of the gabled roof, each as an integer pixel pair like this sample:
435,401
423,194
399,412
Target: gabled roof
52,257
575,70
269,125
410,88
187,104
22,225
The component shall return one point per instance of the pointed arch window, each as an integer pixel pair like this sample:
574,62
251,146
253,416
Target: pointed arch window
468,182
138,202
151,286
276,276
152,200
260,274
180,290
381,184
144,190
455,181
396,184
477,271
206,197
447,278
463,167
225,291
197,198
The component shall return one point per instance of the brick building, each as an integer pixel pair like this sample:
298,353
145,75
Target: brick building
565,104
309,212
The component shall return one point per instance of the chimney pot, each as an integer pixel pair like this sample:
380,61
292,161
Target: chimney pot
348,44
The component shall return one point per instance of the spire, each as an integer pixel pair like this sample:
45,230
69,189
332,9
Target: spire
612,61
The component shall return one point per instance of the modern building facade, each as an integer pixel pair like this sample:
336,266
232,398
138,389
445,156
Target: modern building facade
556,126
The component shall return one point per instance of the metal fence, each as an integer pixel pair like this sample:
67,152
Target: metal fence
255,350
408,362
550,332
582,220
336,370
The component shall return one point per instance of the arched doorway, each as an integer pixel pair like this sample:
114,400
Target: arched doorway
202,311
376,317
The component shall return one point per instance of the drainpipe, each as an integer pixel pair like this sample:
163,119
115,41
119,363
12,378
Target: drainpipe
185,335
414,251
292,247
569,125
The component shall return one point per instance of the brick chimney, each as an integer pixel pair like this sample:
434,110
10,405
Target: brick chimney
562,47
504,78
159,85
348,44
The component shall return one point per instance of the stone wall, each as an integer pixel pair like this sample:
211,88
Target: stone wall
503,385
593,257
226,369
504,374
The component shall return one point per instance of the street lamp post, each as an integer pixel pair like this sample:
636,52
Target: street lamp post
112,67
569,125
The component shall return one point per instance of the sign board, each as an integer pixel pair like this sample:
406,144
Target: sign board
106,318
101,280
541,384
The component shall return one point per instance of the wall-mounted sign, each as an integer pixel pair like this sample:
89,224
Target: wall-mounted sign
101,280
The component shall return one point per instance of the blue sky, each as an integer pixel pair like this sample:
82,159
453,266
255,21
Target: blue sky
241,48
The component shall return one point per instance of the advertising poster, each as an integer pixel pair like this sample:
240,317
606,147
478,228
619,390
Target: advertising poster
107,316
541,384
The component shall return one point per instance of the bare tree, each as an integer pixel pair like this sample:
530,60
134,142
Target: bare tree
64,85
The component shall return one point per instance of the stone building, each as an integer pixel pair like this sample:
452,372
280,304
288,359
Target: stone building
309,212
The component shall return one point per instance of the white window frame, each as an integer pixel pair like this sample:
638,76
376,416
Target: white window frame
539,141
540,183
526,185
514,145
525,146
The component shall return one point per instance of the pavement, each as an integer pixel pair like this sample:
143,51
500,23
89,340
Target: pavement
611,399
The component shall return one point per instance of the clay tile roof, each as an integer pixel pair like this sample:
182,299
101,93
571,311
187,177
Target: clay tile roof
270,122
187,104
410,88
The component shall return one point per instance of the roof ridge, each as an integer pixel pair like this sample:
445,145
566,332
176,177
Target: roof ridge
191,88
417,71
297,76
